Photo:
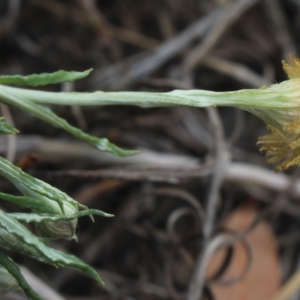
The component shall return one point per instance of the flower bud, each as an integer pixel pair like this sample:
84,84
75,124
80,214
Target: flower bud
50,201
61,229
55,229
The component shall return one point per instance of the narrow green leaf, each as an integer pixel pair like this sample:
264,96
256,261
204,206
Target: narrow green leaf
7,128
29,202
45,114
31,217
14,270
27,243
7,282
103,144
44,78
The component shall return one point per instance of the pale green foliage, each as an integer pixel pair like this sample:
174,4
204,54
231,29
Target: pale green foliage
15,237
42,112
51,208
54,212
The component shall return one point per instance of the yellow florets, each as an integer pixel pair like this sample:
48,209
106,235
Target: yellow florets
293,69
284,143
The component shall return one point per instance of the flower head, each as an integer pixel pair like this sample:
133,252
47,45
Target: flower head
48,197
282,144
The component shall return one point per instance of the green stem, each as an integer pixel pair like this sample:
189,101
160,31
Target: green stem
277,95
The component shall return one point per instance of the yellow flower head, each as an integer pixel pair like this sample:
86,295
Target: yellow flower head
283,141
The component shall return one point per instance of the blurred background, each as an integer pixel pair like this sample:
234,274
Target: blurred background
199,214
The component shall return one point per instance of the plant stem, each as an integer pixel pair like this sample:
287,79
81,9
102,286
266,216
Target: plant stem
277,95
